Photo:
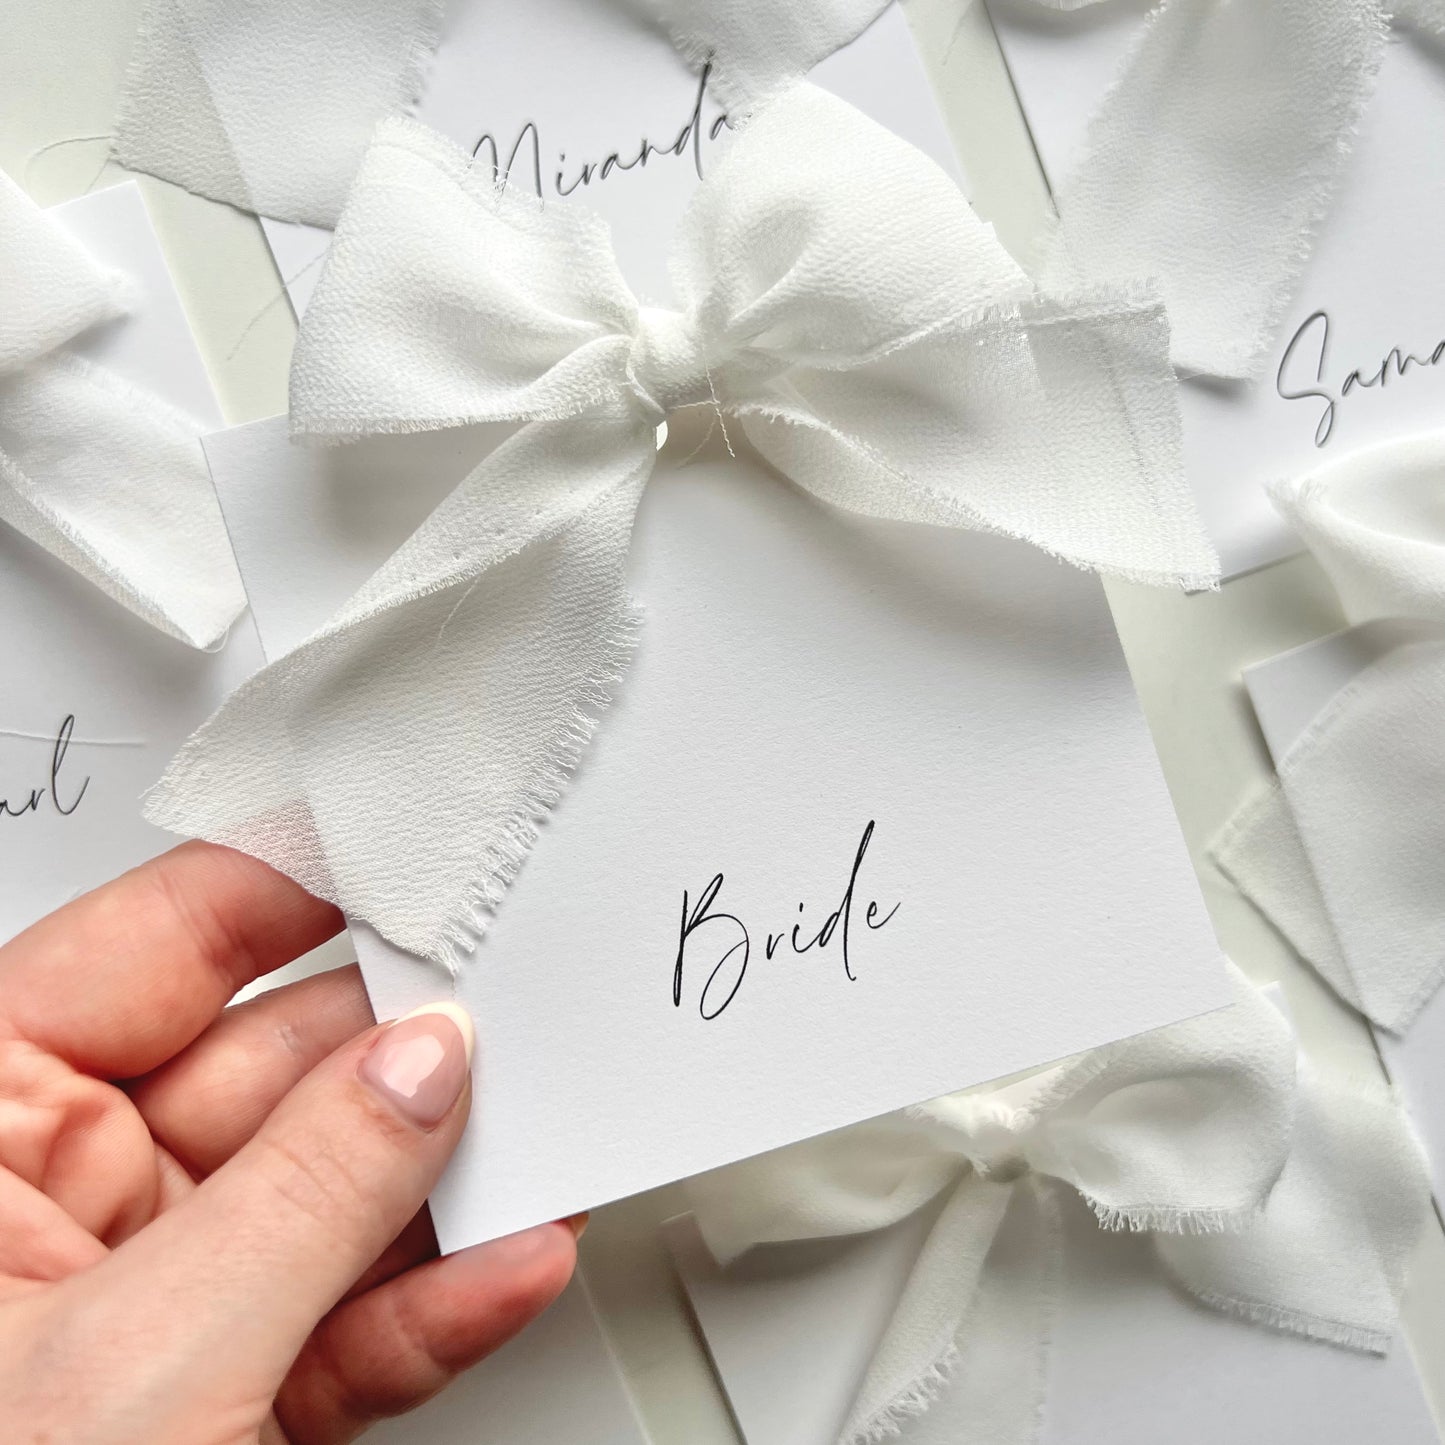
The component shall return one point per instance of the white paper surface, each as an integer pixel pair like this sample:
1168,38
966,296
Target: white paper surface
799,676
1375,272
1132,1361
1288,693
68,651
590,81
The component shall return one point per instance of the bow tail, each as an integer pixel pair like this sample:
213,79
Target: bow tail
1261,854
113,482
1058,425
1211,162
1327,1257
1363,897
964,1359
450,699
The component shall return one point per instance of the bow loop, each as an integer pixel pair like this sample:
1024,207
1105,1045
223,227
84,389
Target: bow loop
54,289
769,260
1375,521
448,301
108,478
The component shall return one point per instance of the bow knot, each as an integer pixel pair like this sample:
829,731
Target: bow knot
987,1131
666,367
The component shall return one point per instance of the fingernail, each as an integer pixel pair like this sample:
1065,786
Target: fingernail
420,1064
578,1223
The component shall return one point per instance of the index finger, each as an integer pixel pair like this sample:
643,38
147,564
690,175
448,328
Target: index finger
126,976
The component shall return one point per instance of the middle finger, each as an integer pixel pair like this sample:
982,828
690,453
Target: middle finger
208,1101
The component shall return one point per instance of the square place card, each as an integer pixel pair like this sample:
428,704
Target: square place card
563,96
874,814
1356,357
94,700
922,749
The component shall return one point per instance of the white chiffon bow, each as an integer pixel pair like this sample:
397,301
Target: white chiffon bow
874,343
270,105
1277,1199
106,477
1346,854
1211,162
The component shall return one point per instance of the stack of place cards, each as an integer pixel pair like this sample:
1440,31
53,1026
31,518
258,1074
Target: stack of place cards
1372,294
873,816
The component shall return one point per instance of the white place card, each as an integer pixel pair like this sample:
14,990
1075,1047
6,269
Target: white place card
1372,296
919,749
95,701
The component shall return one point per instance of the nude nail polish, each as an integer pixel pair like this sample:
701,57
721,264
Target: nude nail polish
421,1062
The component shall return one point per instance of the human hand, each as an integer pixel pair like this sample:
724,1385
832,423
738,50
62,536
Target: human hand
230,1245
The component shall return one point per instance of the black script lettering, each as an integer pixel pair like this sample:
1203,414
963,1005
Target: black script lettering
528,136
1319,321
63,802
1312,342
566,180
729,944
733,934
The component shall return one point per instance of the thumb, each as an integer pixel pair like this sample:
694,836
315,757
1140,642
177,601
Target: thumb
238,1275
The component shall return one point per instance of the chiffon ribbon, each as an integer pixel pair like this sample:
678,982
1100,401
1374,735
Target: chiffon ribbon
873,342
270,104
1211,163
106,477
1267,1193
1345,854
